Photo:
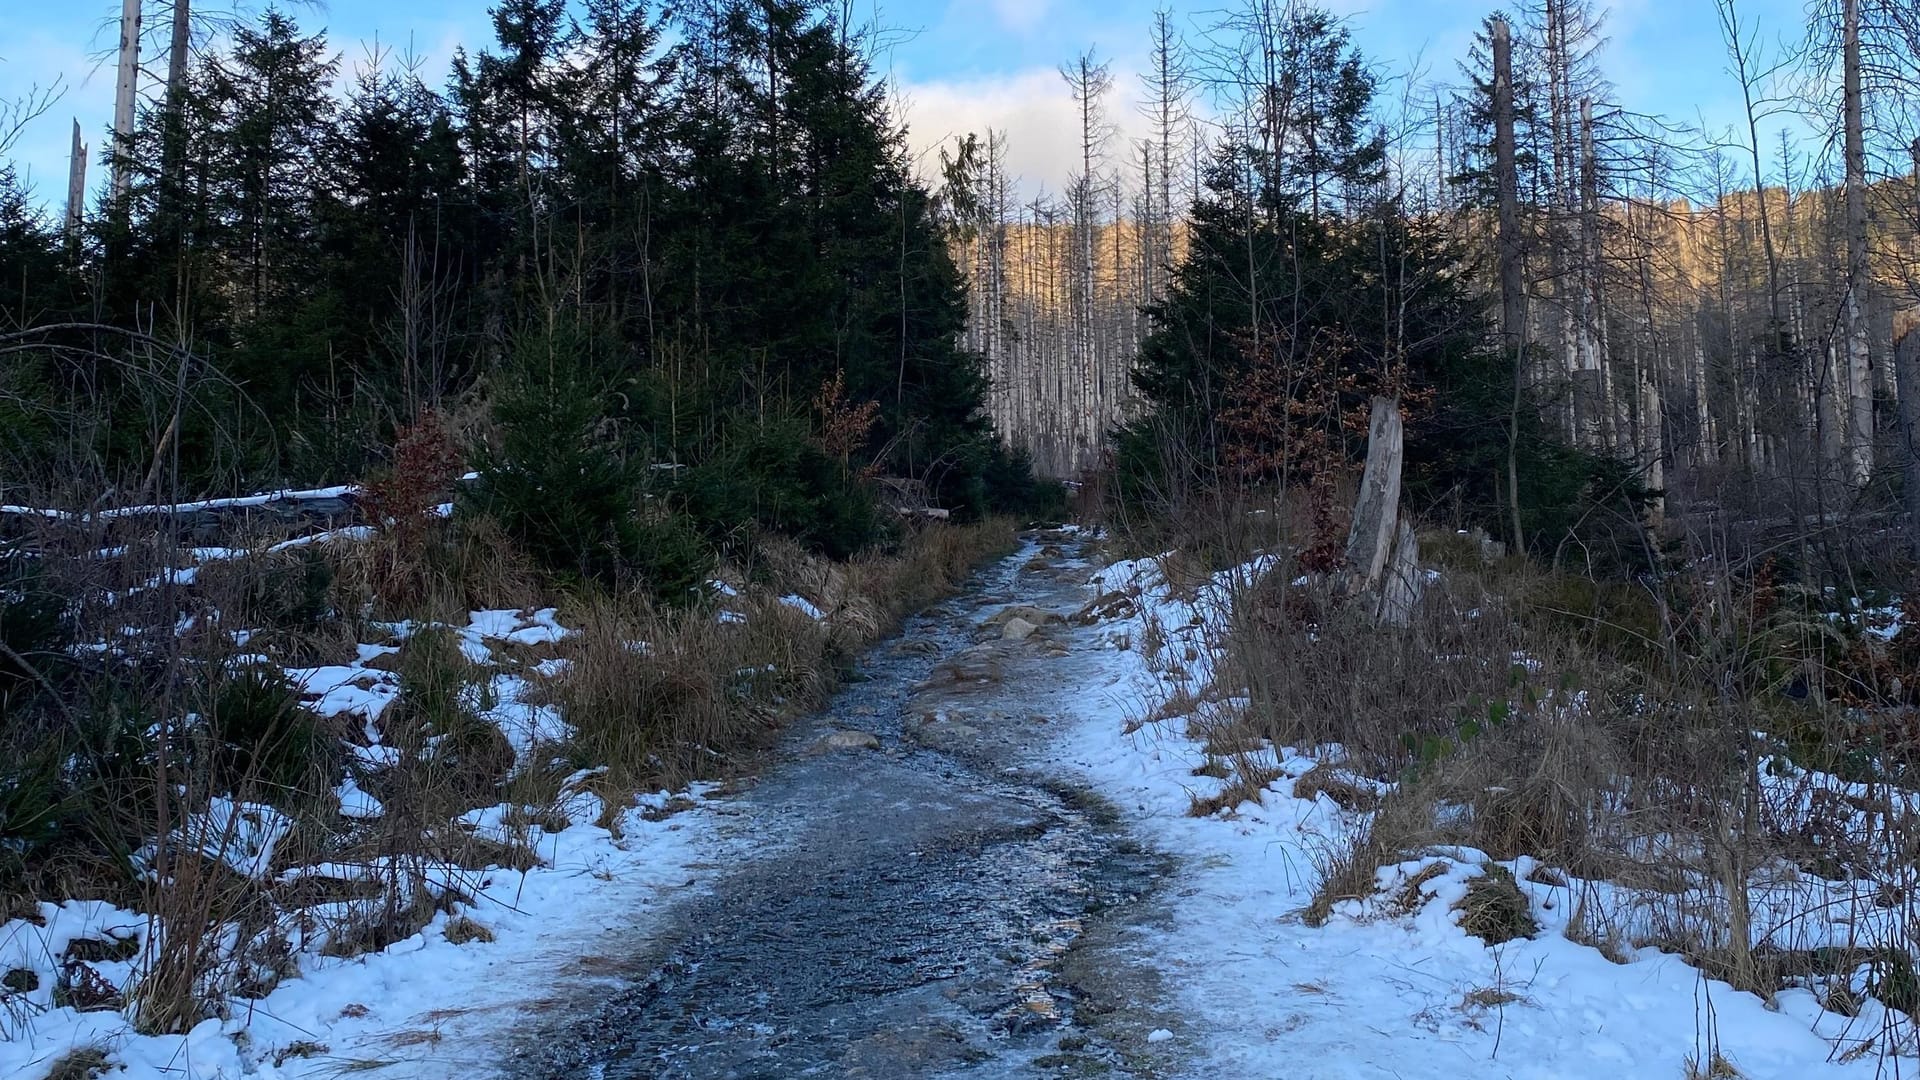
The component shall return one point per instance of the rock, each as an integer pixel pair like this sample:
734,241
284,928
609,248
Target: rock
935,729
1017,629
1037,616
920,647
847,740
1105,607
977,667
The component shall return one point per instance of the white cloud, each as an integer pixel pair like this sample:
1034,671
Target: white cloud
1020,16
1035,110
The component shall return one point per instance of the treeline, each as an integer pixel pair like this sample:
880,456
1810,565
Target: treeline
1261,265
666,258
1644,332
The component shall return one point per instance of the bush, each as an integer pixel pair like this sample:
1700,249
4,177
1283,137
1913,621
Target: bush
34,804
773,477
32,627
455,759
1001,481
261,735
561,484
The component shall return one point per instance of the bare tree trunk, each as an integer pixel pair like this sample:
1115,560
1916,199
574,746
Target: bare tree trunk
1591,404
76,186
1783,342
126,85
1859,385
1906,370
1513,297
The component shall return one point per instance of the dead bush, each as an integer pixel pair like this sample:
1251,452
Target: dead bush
1247,783
1346,793
462,930
85,1063
1350,870
1494,909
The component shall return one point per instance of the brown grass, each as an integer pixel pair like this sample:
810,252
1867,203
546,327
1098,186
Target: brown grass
1494,909
1346,793
462,930
85,1063
1248,783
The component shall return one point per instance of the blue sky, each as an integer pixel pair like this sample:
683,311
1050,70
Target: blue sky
961,64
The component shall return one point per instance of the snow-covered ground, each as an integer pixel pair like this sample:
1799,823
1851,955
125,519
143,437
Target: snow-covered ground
1384,989
416,1007
1393,988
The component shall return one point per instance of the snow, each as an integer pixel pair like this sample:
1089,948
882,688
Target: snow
355,803
337,689
803,605
1381,990
371,1007
335,1012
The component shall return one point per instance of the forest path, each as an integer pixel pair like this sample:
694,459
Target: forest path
932,907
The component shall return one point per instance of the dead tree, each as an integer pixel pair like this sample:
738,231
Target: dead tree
1513,289
1858,438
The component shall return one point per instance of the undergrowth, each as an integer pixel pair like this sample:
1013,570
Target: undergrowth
1712,760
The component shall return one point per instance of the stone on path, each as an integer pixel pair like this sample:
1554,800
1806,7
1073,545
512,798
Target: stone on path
1017,629
847,740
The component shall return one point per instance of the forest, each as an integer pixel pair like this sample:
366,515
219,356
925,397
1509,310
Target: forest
637,475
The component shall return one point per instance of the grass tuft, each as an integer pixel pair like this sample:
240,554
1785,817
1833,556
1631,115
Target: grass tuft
1494,909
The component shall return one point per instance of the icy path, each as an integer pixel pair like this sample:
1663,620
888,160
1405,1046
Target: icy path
925,907
1010,885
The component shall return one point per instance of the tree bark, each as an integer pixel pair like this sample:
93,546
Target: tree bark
1859,385
1513,297
126,85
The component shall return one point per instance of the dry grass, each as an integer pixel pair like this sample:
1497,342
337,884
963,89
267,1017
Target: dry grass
1714,1067
85,1063
1494,909
462,930
661,697
1248,783
1412,896
1604,728
1344,791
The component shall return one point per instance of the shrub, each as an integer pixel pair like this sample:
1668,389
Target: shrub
774,477
262,735
1494,909
561,484
454,757
34,805
33,628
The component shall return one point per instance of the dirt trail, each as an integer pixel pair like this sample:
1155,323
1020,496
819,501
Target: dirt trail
929,908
